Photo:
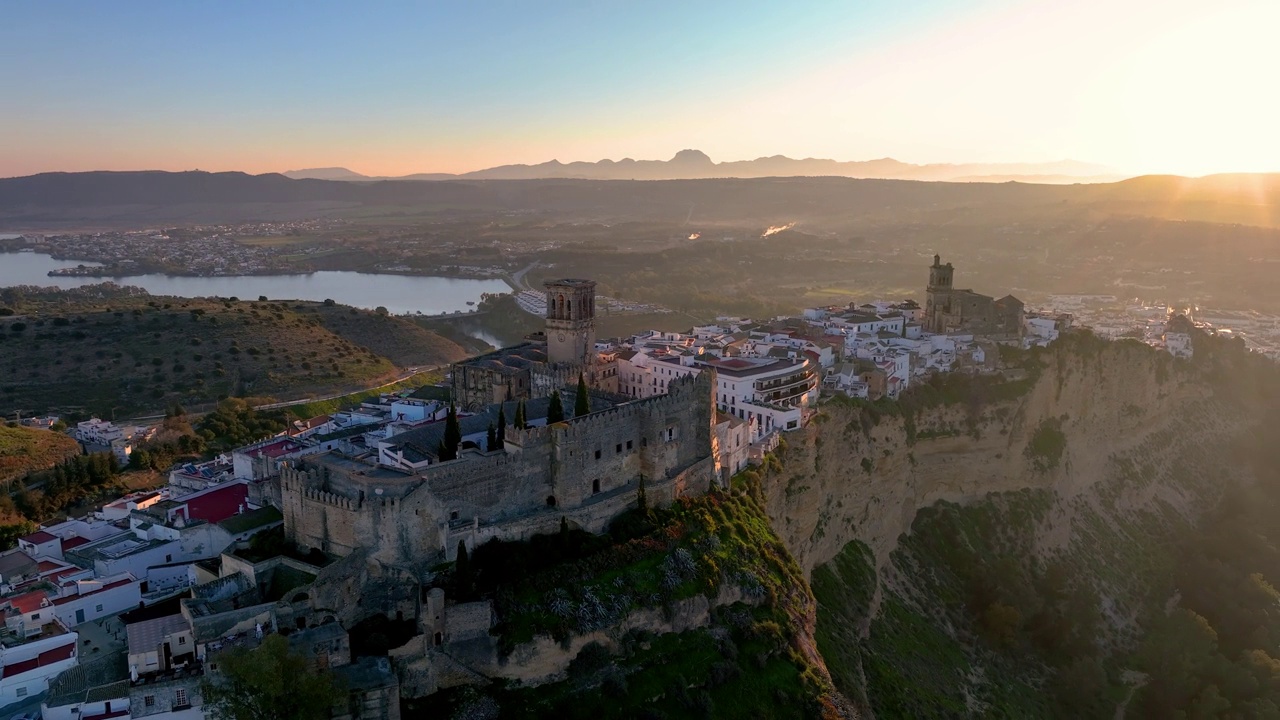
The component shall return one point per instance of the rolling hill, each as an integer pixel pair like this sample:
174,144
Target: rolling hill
139,353
121,198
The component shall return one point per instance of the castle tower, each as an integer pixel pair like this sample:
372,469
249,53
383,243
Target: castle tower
571,321
940,275
938,295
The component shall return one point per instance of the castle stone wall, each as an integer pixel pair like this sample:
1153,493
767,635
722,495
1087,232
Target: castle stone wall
587,469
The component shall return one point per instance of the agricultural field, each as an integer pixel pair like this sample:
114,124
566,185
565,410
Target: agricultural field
133,354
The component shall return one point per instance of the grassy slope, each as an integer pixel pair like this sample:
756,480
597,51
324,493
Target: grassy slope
25,449
145,353
747,663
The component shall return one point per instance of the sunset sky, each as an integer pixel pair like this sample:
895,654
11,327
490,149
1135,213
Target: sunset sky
393,88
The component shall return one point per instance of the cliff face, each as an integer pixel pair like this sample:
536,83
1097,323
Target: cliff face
1111,409
929,530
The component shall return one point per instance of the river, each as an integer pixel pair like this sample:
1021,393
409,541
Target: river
399,294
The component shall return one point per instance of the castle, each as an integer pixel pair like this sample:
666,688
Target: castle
949,310
535,369
586,469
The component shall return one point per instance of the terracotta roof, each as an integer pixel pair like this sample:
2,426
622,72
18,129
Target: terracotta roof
275,449
39,537
29,602
74,541
45,566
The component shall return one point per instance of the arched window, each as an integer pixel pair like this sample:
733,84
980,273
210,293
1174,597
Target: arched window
551,501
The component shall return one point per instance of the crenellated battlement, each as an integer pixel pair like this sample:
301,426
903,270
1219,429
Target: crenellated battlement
328,498
337,504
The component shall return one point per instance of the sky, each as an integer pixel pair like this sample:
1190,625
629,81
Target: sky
388,88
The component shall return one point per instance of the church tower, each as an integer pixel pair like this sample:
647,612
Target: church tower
938,295
571,321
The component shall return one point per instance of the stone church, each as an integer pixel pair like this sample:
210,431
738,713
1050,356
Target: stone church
951,310
545,363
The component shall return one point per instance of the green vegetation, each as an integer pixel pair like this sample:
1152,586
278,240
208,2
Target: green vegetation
1047,445
23,450
747,663
311,409
555,409
1215,656
86,353
235,423
269,681
581,400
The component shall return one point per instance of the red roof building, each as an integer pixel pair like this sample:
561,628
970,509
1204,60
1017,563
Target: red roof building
38,537
218,504
29,602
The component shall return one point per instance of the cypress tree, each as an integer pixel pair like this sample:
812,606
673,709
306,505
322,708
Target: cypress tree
555,411
462,571
452,433
642,500
521,423
491,440
502,428
581,402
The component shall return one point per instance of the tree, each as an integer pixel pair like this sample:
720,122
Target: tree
491,440
581,401
502,428
452,434
521,423
555,411
269,682
642,500
463,574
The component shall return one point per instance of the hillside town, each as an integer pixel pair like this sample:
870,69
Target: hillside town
124,612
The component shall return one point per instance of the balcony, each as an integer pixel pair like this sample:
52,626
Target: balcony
766,386
786,393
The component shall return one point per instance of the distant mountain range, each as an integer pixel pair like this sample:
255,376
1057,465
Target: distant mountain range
108,199
696,165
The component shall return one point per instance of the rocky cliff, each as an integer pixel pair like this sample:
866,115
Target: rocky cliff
855,474
1093,458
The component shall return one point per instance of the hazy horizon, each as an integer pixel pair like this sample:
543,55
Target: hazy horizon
1137,86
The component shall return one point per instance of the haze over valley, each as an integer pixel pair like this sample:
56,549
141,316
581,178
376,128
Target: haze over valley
940,380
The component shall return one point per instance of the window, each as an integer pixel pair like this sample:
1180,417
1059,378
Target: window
182,640
617,449
628,444
453,515
149,700
597,454
97,608
35,616
179,697
22,692
595,486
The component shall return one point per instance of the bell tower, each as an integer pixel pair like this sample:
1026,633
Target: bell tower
571,321
938,295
